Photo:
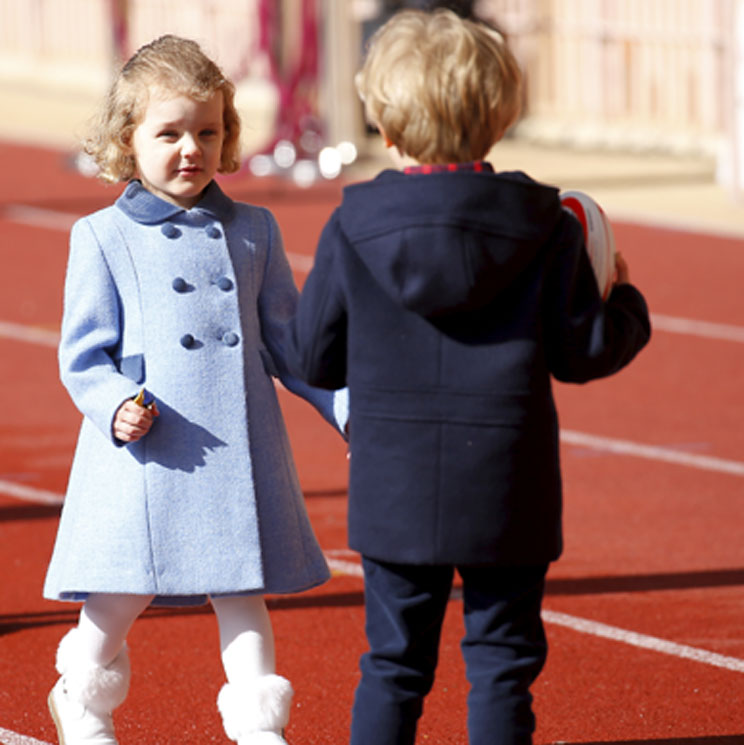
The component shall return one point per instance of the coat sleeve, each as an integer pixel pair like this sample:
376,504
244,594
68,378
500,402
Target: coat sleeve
585,337
91,333
277,303
317,338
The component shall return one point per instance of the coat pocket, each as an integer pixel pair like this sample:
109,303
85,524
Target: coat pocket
133,367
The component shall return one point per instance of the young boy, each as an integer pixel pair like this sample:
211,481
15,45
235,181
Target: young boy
446,296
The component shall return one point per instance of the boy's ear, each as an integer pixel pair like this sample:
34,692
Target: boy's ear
388,142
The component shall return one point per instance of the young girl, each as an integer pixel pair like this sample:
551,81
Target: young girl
183,486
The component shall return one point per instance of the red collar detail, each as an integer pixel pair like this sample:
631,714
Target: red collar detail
478,166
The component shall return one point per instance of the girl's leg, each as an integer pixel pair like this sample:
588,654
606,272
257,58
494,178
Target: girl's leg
405,607
93,662
246,637
254,702
104,623
504,649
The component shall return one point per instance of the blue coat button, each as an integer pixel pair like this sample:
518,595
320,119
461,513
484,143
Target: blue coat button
230,339
179,284
169,230
187,341
225,284
213,231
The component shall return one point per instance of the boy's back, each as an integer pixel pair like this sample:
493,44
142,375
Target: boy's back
445,297
462,293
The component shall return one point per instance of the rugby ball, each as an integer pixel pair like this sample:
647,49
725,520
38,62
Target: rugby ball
598,236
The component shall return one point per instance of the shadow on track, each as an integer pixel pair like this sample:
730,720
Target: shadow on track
646,583
710,740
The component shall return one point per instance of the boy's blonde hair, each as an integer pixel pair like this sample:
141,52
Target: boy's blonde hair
172,63
443,89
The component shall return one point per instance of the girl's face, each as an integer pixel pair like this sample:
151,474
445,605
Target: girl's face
178,145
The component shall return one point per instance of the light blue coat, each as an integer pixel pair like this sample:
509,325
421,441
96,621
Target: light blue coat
190,304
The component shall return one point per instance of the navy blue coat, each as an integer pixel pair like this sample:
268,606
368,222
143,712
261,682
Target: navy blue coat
446,302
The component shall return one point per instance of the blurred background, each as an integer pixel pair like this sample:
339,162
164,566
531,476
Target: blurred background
645,77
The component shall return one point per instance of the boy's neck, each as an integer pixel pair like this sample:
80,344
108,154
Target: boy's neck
405,163
400,160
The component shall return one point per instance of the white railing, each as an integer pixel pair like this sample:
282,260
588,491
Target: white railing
69,48
55,43
641,73
625,73
226,29
77,39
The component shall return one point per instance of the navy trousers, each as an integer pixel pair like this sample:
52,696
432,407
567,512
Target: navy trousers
504,649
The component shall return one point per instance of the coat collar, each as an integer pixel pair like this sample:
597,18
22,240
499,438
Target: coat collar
144,207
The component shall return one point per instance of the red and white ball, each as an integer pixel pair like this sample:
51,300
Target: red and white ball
598,236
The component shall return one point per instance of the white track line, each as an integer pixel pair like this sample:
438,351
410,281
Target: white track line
39,217
677,224
690,327
25,214
303,264
571,437
580,625
602,630
29,493
29,334
300,263
348,568
42,217
652,452
594,628
13,738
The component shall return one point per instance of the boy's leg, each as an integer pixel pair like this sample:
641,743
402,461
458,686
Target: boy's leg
93,663
405,607
504,650
254,702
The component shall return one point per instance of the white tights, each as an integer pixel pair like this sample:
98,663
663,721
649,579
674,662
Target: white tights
246,636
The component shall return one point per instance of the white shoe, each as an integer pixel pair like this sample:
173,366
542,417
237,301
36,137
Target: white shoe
257,713
77,725
83,699
262,738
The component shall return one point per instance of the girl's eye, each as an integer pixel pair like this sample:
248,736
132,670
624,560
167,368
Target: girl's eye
168,134
208,132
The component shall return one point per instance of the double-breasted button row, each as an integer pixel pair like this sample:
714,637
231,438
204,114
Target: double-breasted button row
229,339
169,230
180,285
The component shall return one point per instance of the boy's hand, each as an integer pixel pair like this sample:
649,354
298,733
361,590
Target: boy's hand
622,274
132,421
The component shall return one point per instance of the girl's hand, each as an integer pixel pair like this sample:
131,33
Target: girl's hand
132,421
622,274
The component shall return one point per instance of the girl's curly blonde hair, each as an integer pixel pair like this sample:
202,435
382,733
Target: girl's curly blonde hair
443,89
172,63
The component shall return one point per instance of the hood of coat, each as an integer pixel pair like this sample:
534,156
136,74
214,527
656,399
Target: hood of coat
446,243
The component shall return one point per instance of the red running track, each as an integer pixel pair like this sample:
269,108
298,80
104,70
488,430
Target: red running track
644,610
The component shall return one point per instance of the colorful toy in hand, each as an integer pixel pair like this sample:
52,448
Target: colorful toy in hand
145,399
598,236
